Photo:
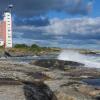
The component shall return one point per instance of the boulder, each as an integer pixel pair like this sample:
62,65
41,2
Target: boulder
54,63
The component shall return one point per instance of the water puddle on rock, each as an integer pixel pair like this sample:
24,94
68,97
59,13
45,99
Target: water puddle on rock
93,82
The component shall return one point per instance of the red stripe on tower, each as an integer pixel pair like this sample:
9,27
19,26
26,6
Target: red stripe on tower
4,33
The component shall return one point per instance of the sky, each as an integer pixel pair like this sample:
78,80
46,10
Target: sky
56,23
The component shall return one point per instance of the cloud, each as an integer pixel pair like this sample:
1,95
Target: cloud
69,43
73,27
35,21
30,25
83,26
29,8
63,32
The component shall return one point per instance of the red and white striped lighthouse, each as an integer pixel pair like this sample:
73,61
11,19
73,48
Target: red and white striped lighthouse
6,28
7,24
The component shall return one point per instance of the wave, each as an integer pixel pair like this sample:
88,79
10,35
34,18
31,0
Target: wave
71,55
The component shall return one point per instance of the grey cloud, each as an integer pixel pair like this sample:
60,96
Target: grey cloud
37,21
75,27
69,43
28,8
62,32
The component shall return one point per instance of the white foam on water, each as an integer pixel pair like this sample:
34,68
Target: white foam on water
71,55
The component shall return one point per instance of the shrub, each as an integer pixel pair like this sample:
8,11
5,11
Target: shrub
21,46
34,46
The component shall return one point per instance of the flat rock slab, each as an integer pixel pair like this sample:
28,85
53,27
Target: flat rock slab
12,92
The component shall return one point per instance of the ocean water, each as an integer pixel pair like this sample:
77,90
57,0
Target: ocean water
92,61
27,59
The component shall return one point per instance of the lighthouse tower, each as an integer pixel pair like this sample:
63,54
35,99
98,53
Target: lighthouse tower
8,29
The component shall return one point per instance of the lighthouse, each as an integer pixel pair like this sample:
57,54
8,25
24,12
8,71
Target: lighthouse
7,20
6,28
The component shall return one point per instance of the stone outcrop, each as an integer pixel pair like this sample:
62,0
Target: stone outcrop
23,81
54,63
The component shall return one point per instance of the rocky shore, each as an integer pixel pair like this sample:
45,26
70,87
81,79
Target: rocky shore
45,80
